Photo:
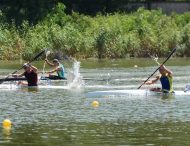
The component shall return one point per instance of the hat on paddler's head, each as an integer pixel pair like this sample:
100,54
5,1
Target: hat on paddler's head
162,70
26,65
55,61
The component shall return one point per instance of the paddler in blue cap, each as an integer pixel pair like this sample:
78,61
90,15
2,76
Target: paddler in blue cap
166,79
30,73
58,68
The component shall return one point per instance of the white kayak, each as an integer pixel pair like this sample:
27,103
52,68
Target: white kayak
16,87
134,93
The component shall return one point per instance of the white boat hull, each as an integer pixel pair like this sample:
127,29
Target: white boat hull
16,87
99,93
134,93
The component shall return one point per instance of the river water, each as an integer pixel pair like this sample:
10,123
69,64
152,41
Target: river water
56,117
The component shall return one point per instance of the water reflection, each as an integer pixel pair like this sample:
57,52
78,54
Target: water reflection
6,132
104,133
30,89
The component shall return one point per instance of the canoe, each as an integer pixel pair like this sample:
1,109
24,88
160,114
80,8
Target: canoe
134,93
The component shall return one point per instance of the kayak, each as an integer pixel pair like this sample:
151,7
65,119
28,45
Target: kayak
13,79
24,79
16,87
134,93
47,79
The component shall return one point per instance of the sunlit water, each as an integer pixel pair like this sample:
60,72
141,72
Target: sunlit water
66,117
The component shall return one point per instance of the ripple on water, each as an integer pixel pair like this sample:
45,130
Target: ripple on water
51,117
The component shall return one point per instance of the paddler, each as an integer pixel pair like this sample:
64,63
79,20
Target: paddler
166,79
58,68
31,75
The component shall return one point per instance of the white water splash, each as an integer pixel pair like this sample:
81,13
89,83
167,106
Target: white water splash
74,78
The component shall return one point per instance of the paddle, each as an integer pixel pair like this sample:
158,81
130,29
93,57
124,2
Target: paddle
155,58
47,54
157,68
36,57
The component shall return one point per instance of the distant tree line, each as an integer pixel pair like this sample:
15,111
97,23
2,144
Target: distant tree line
35,10
28,26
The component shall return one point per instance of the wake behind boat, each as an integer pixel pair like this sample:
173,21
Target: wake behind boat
17,87
42,78
134,93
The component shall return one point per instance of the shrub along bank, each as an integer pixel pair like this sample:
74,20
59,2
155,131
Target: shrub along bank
115,35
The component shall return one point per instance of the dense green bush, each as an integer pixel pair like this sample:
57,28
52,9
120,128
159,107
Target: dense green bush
11,44
104,36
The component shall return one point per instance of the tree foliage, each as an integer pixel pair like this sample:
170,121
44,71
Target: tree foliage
115,35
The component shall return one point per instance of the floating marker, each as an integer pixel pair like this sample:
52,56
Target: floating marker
95,104
6,123
135,66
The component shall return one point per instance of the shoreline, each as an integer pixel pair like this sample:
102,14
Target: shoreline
104,63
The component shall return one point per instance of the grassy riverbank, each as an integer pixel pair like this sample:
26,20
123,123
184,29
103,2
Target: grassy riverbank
104,36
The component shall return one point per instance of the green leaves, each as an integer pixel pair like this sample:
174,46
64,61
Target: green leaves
104,36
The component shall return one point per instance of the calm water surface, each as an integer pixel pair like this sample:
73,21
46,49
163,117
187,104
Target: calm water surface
51,117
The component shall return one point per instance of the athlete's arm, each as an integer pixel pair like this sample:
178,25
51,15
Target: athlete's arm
52,71
34,68
49,63
152,81
55,70
167,70
18,75
58,68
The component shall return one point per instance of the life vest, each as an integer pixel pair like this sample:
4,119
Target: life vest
167,83
61,73
32,78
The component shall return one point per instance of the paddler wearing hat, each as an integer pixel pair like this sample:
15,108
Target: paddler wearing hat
58,68
30,73
166,80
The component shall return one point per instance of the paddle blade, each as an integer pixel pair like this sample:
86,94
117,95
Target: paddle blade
47,53
169,55
37,56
